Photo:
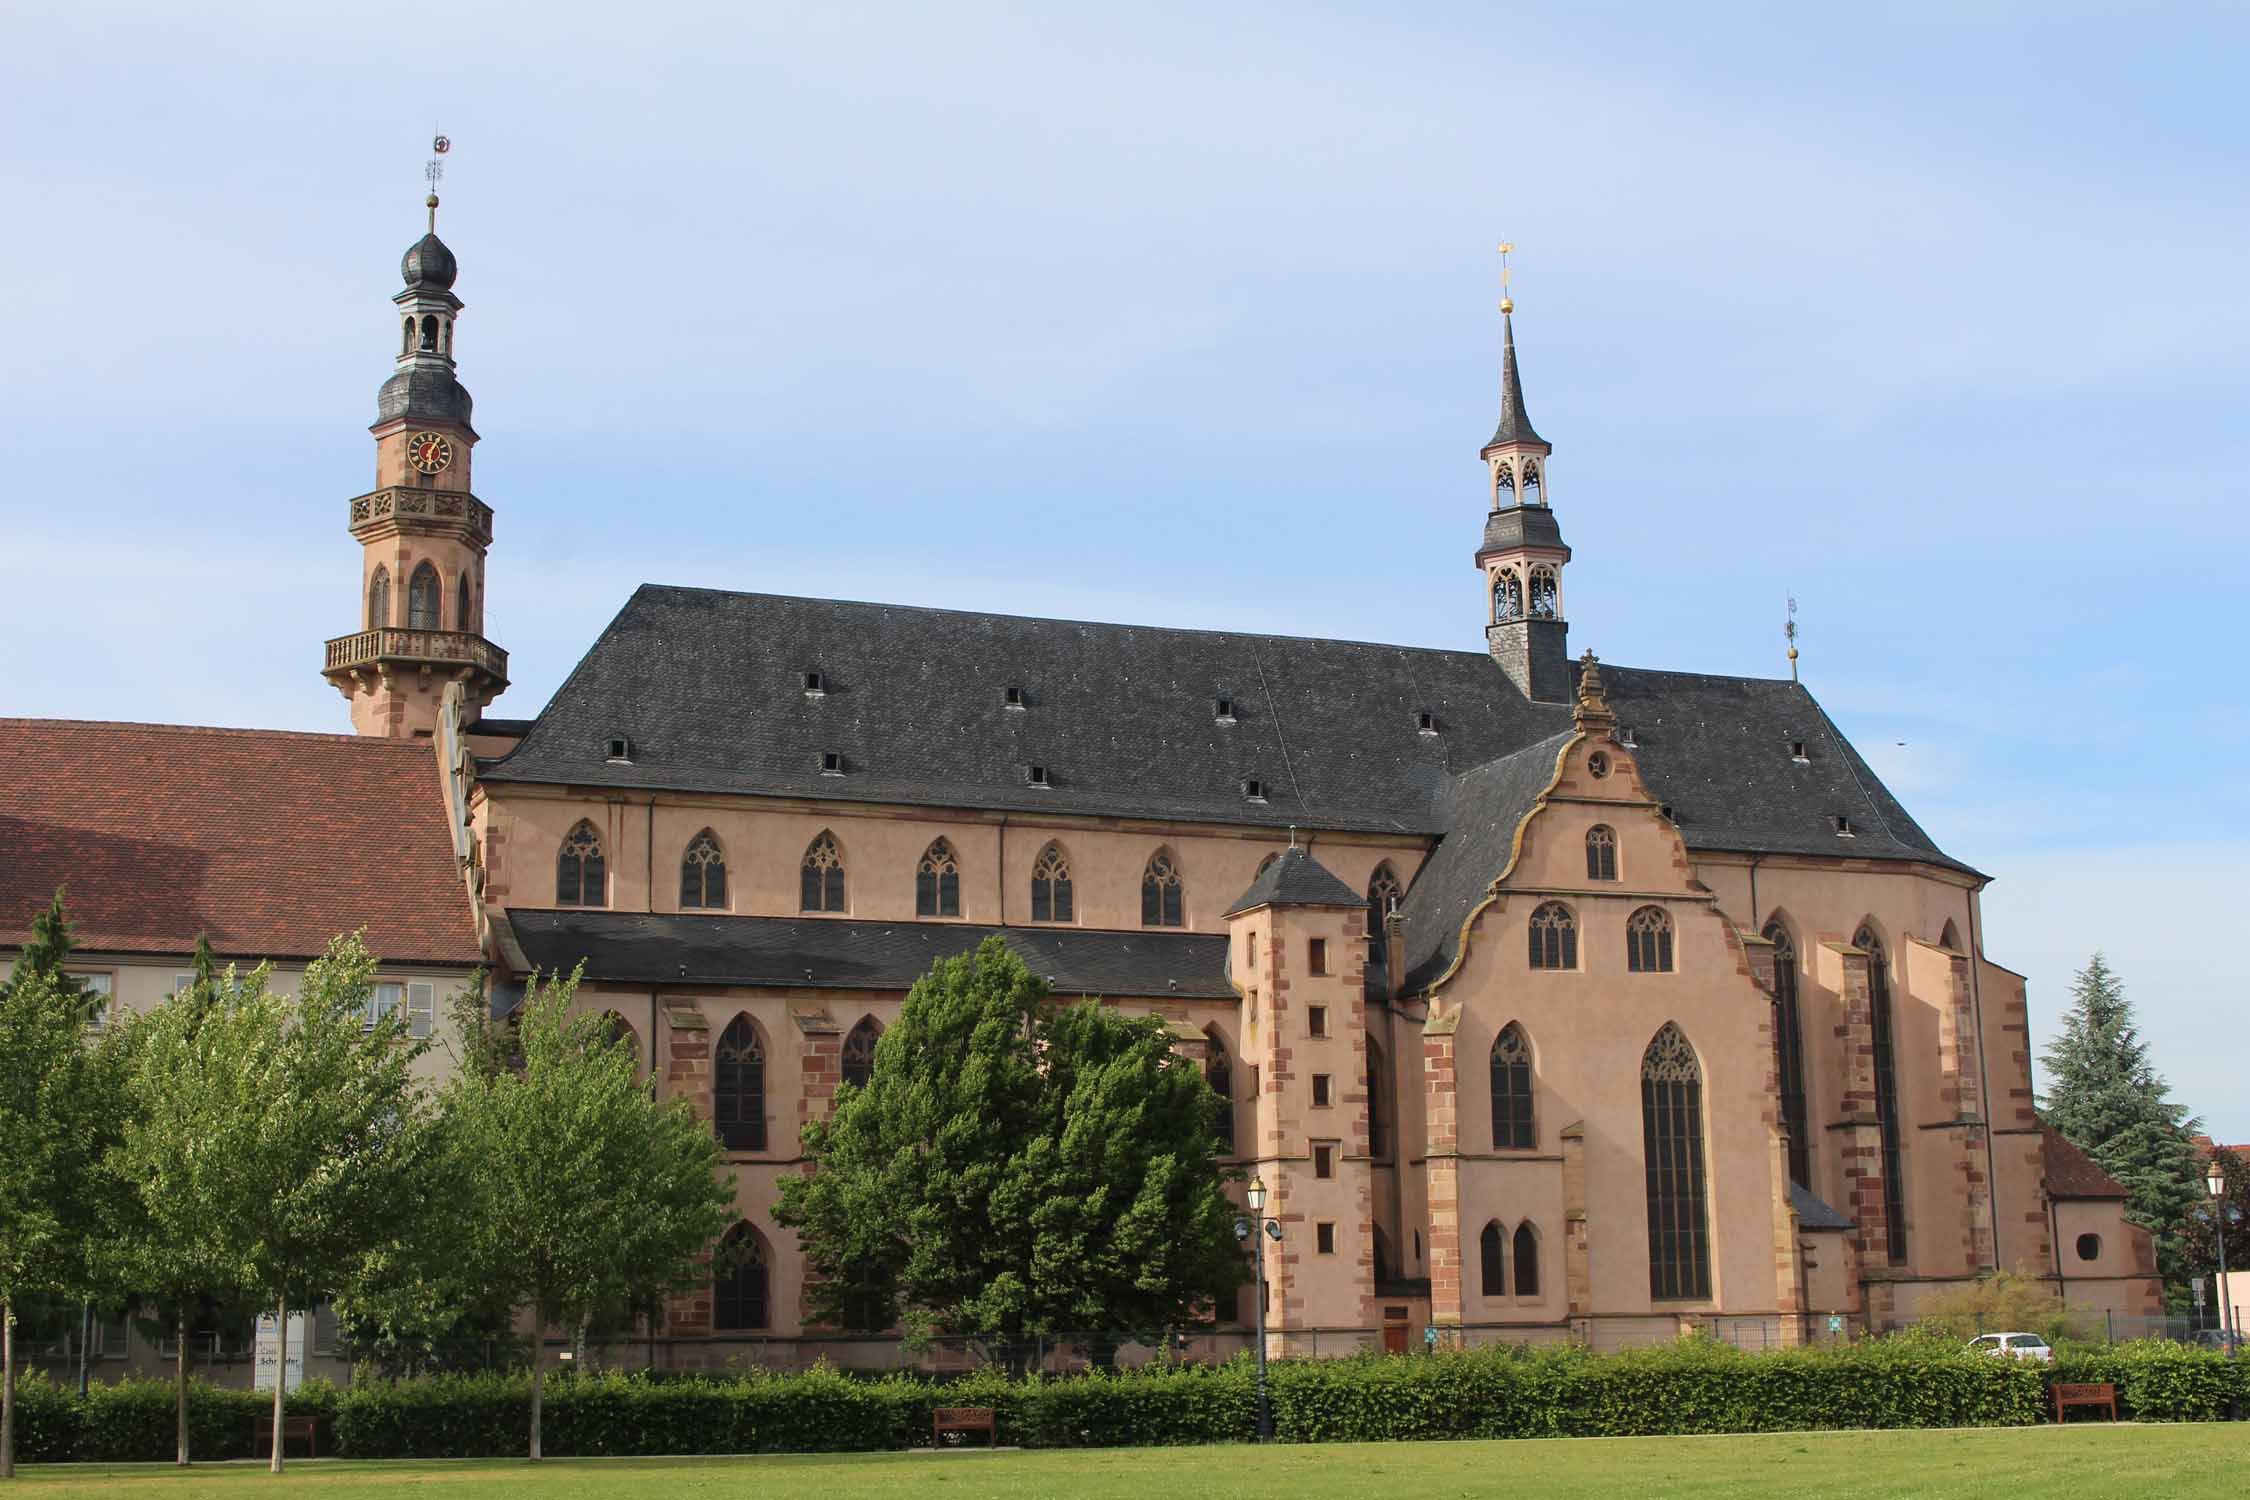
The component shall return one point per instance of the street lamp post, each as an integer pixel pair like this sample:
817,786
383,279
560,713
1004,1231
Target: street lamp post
1246,1230
2216,1181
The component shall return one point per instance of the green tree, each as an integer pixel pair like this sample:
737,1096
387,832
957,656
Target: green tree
271,1134
2199,1250
2103,1093
47,951
1016,1169
580,1190
59,1109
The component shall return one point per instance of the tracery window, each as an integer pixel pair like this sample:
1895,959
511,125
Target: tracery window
1679,1234
1514,1127
703,874
937,882
1218,1071
738,1087
1050,886
581,874
379,598
1507,597
738,1294
857,1060
1789,1053
1554,937
1545,594
1492,1260
422,599
1503,486
1648,941
1383,896
821,878
1162,894
1886,1093
1532,485
1601,852
1526,1248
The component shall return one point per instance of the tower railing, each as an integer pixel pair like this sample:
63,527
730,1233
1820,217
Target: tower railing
436,647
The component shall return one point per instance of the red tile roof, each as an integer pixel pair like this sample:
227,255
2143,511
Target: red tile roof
2071,1173
268,842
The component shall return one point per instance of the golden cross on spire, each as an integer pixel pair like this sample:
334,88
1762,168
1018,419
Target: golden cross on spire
1507,303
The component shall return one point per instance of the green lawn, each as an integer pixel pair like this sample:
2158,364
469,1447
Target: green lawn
2077,1461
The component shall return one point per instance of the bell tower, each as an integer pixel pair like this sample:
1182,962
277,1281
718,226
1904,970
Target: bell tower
422,534
1522,556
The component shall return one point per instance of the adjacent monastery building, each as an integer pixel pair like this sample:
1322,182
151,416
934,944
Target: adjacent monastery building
1552,997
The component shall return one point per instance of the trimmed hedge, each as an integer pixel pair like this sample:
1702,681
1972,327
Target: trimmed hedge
1694,1386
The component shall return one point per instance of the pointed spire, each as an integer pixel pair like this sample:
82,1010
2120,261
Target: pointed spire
1515,423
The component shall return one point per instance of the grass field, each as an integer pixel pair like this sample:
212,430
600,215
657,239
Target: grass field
2044,1462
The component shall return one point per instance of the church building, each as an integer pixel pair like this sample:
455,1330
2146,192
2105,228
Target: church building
1550,997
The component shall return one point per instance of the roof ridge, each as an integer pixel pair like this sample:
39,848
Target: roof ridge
7,722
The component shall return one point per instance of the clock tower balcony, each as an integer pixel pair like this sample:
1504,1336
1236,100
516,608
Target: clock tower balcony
397,508
390,651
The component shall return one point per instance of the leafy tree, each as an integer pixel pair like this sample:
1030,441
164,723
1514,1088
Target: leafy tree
2199,1250
580,1190
59,1109
1015,1169
2003,1302
270,1134
2103,1093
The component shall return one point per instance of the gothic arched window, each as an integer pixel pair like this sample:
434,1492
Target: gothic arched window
820,884
1526,1248
1218,1071
738,1087
937,882
857,1060
1383,896
581,874
1950,938
1648,941
1546,596
703,874
1554,937
1533,484
379,598
461,610
1492,1260
1789,1053
738,1294
429,332
1601,853
1507,597
1886,1092
1514,1128
1679,1233
1050,886
1503,485
1161,892
422,599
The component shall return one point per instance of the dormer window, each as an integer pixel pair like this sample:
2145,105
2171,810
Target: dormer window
1625,740
1797,753
1011,697
1426,722
831,762
1253,789
1036,776
816,684
1844,829
620,751
1223,710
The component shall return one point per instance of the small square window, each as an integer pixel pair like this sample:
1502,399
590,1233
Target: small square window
1426,722
620,751
1324,1160
1316,1017
831,763
1224,710
1797,753
1844,827
1324,1238
1322,1087
816,684
1318,955
1011,697
1036,776
1254,789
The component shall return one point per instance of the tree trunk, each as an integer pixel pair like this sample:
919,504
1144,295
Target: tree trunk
179,1378
280,1374
85,1346
7,1388
536,1373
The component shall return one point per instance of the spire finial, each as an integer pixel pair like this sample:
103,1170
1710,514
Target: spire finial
1789,630
1593,711
434,170
1507,303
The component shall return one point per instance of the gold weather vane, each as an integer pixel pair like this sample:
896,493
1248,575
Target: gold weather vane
1789,630
1507,303
434,170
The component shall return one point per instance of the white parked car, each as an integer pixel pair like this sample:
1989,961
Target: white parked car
2015,1346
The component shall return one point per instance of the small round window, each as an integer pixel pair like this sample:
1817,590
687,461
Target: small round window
1597,765
2089,1247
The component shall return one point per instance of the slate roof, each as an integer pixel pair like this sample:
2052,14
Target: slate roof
269,843
1295,878
830,953
1515,422
1813,1213
2069,1172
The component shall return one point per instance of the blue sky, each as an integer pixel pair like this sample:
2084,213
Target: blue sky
1927,315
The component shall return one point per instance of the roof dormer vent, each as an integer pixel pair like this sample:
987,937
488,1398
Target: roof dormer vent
1797,753
1664,811
816,684
1426,722
1036,776
1012,697
831,762
1223,709
1625,740
1253,789
1844,828
620,750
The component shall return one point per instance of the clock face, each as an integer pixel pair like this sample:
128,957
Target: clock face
429,452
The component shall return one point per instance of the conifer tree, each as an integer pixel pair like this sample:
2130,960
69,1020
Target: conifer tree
2103,1093
47,951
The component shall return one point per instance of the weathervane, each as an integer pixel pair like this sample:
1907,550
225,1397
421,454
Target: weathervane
434,170
1507,303
1789,629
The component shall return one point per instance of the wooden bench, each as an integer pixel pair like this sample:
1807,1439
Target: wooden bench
292,1428
2068,1396
963,1419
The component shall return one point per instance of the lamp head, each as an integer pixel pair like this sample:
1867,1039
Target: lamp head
2216,1181
1256,1197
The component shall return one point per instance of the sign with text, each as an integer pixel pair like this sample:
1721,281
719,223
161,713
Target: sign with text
269,1352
